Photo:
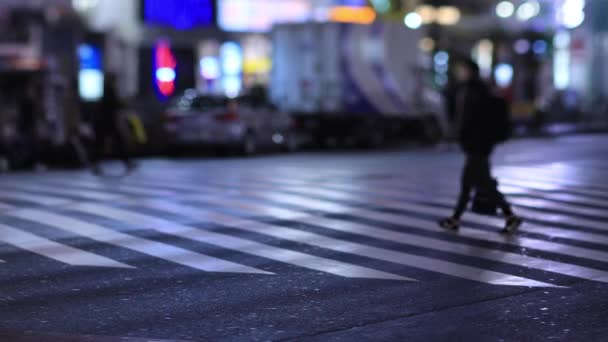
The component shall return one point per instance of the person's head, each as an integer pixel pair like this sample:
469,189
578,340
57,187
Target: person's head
466,70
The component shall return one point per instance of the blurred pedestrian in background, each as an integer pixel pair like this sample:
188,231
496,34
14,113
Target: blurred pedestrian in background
28,121
478,122
73,121
107,125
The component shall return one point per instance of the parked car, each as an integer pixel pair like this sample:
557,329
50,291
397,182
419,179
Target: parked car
241,124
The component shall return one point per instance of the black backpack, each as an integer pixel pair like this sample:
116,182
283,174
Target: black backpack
499,115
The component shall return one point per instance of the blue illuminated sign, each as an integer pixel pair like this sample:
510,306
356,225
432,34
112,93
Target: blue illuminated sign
89,56
179,14
354,3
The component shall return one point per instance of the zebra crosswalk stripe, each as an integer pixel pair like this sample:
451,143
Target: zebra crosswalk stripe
416,240
405,191
554,231
238,244
444,196
54,250
63,191
371,193
156,249
112,187
425,263
401,202
32,198
5,207
532,243
550,186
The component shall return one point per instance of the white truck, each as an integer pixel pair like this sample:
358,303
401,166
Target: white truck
354,83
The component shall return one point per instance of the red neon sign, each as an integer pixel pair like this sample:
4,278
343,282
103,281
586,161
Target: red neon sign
164,68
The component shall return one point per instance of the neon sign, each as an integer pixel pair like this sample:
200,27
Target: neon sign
179,14
90,74
164,69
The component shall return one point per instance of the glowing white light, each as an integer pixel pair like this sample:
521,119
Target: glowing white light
428,13
528,10
232,58
448,15
210,68
561,69
232,86
165,74
505,9
503,75
561,60
571,14
574,20
413,20
483,55
561,40
90,84
84,5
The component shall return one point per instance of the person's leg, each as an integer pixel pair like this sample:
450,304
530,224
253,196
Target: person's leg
98,148
466,186
122,147
513,222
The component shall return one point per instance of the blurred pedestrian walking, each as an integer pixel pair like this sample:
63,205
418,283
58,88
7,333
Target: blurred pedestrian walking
481,122
107,125
28,121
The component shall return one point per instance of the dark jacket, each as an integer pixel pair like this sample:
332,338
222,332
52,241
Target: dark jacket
472,115
28,115
109,109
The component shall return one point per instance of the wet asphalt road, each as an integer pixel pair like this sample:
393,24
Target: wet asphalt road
334,246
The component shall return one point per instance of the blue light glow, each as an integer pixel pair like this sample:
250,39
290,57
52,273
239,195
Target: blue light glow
179,14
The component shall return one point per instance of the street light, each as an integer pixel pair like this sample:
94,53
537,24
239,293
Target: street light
413,20
448,15
444,15
571,14
505,9
528,10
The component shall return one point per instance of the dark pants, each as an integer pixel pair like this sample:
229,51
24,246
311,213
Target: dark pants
102,134
477,174
31,142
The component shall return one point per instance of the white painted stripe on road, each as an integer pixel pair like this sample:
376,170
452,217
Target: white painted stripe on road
387,190
432,210
563,207
112,188
510,178
5,207
32,198
555,197
149,247
60,191
460,248
299,236
561,175
54,250
542,245
234,243
443,196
